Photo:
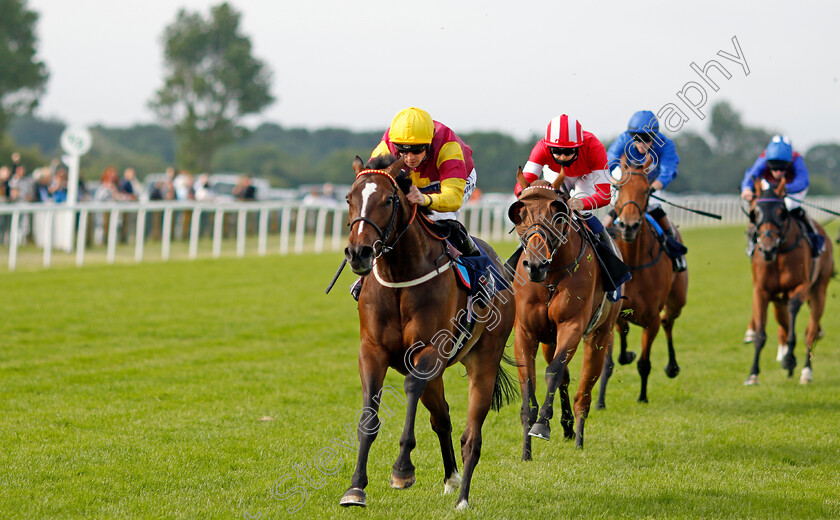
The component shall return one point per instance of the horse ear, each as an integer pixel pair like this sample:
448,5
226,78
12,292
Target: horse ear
780,189
757,187
515,211
561,178
404,182
396,167
520,178
358,164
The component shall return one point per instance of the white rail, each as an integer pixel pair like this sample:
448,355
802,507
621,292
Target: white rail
82,228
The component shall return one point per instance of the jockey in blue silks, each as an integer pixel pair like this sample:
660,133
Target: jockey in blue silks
641,138
776,162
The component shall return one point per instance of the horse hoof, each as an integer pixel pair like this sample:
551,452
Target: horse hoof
749,336
354,497
672,371
406,482
752,380
600,405
781,353
806,377
462,505
643,400
452,484
789,363
540,431
625,358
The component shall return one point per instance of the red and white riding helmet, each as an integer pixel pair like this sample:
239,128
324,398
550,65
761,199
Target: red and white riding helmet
564,132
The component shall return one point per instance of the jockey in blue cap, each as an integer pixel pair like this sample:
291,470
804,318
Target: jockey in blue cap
776,162
641,138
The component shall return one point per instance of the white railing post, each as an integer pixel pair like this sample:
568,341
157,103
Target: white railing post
218,224
81,238
140,235
48,227
14,236
195,226
336,231
113,221
320,228
262,240
300,229
166,237
241,229
285,224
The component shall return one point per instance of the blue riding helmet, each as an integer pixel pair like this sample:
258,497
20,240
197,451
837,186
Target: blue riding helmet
643,121
779,149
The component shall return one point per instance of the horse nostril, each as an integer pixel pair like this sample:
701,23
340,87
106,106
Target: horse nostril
365,252
634,227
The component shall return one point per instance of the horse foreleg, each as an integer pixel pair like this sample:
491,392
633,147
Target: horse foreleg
760,299
434,400
427,366
567,418
606,373
555,372
648,335
780,309
594,352
625,357
789,360
482,375
372,368
525,351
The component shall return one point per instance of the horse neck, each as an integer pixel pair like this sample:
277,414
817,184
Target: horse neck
413,254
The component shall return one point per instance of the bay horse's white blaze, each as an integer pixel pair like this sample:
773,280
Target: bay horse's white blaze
369,189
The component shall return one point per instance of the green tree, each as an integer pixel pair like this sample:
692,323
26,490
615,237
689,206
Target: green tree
22,76
213,80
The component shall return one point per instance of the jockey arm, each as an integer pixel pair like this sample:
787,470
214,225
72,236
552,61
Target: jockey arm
748,184
668,160
801,180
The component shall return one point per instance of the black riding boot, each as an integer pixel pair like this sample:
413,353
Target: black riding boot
817,240
356,288
458,235
617,271
680,264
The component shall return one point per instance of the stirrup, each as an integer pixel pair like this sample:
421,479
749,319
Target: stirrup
356,289
680,264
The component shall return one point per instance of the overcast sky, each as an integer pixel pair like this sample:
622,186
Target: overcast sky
474,65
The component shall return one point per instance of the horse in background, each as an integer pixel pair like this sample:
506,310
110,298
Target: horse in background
785,273
410,313
564,302
656,294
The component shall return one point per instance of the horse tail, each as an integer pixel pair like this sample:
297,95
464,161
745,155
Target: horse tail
505,389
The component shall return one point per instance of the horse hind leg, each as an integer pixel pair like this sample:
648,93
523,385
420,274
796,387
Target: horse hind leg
567,418
434,400
525,352
595,350
673,308
482,375
813,332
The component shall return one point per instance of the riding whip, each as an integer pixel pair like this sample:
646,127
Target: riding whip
814,206
704,213
337,274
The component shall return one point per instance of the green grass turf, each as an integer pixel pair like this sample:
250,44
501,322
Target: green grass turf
137,391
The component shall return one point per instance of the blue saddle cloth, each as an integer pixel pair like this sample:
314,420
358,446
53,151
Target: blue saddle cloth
478,275
672,247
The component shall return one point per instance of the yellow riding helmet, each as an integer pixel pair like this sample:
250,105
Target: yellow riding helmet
412,126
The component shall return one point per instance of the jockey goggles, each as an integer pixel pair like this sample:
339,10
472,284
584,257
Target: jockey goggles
410,148
774,165
562,151
642,137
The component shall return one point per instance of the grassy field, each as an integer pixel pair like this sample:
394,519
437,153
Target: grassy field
215,388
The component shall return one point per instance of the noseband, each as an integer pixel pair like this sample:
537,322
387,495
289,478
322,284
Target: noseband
395,204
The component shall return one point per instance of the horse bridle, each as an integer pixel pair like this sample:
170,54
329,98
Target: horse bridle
642,210
781,229
549,237
395,204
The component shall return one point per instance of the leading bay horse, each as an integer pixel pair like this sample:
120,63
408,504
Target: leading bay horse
409,311
559,300
785,273
656,294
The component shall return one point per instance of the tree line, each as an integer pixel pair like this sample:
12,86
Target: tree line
289,157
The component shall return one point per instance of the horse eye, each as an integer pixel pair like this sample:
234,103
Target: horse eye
388,202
